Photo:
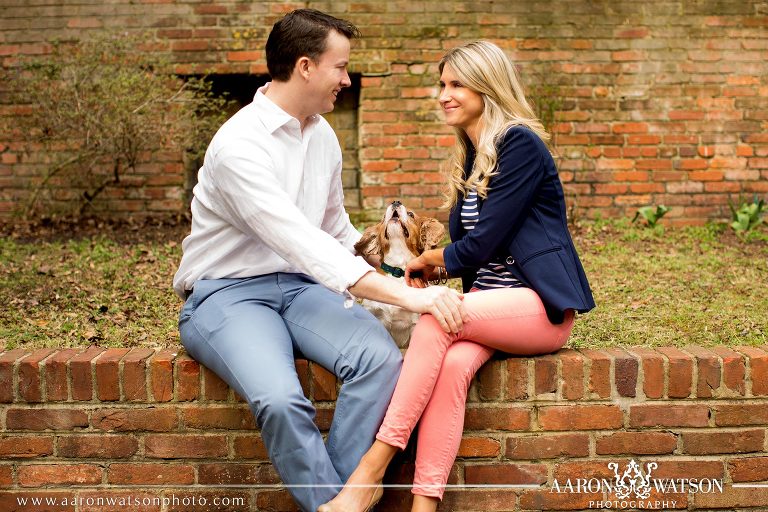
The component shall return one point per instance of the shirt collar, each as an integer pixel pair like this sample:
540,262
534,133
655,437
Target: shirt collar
275,117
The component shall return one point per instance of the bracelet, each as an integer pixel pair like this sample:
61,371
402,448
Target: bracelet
442,276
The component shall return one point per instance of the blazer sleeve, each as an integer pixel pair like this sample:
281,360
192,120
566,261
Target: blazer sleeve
512,190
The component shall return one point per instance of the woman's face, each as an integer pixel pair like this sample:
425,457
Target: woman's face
462,106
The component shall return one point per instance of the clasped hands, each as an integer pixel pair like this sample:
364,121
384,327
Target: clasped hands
444,303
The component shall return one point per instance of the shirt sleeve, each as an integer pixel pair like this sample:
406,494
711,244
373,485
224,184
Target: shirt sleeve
511,193
336,220
248,195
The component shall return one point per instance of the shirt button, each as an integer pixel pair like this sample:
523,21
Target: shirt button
510,260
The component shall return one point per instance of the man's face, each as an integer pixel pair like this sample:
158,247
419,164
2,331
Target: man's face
329,74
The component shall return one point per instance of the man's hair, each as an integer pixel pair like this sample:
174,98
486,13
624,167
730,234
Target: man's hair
301,33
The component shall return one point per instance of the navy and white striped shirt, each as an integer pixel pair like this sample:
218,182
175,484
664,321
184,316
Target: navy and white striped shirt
494,274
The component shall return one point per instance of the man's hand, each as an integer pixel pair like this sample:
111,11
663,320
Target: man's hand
445,304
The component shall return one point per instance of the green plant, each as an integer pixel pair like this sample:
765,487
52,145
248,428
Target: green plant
546,98
651,214
747,216
94,110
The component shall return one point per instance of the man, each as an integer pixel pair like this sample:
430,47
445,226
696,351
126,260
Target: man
268,268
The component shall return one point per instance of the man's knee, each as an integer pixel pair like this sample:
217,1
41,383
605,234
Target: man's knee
380,350
281,407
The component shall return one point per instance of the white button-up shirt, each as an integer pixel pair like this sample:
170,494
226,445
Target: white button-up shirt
269,199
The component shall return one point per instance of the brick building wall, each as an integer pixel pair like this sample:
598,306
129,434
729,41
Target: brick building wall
90,423
658,102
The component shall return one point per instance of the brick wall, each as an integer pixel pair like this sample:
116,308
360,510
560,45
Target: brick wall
659,102
89,423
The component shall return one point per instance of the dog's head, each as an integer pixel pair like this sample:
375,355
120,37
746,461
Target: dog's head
400,236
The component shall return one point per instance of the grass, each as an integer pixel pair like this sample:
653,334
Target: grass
110,285
696,285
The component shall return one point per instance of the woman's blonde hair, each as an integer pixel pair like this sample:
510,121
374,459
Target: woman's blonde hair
484,68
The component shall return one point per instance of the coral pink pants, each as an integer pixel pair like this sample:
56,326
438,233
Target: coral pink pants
439,367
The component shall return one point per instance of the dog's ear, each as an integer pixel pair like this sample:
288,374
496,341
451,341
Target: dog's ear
432,232
369,243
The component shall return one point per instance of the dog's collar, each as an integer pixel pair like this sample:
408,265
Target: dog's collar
395,271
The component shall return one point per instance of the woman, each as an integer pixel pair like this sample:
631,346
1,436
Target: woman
512,249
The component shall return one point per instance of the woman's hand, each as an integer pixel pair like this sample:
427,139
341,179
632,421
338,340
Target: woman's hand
418,273
445,304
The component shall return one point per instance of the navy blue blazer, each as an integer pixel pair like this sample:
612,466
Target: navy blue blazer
523,222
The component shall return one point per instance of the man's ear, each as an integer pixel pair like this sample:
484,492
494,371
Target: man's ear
369,243
302,67
431,233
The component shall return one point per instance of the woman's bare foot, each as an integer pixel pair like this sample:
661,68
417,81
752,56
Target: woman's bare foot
363,489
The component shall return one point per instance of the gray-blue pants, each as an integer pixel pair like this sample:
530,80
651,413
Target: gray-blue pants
249,331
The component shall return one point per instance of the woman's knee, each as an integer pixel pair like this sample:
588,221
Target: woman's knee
457,368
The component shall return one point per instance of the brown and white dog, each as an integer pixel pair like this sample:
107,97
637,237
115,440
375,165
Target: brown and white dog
397,239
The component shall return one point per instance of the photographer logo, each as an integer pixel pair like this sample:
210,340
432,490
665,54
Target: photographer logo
632,486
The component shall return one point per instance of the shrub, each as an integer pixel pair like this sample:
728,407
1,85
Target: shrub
96,108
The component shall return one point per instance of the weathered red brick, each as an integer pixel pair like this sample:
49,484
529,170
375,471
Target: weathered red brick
580,417
689,468
45,419
25,447
758,369
734,369
237,474
479,447
547,446
547,500
161,375
187,378
599,365
185,446
679,372
517,378
37,475
518,474
281,501
97,446
652,365
545,374
625,369
636,443
497,418
750,469
80,367
323,383
742,414
218,417
56,378
213,387
108,374
673,415
30,378
250,446
705,443
708,365
135,373
7,361
732,499
572,369
151,474
126,420
489,381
